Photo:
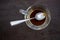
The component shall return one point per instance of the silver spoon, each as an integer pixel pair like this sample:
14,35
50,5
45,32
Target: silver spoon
38,16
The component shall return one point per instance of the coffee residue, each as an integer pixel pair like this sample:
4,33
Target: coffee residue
34,21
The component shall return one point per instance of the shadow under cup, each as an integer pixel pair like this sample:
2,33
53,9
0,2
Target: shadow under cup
42,9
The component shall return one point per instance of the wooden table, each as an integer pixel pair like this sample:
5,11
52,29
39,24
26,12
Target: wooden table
9,10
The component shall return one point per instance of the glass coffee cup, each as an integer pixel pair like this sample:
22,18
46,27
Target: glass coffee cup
31,11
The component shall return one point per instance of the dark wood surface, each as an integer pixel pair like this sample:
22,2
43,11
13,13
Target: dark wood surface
9,10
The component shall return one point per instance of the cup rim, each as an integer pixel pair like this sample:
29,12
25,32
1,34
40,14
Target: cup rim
44,25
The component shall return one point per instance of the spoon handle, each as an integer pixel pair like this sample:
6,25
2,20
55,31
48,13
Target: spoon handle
19,21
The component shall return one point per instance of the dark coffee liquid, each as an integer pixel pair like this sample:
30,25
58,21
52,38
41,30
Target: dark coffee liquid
34,21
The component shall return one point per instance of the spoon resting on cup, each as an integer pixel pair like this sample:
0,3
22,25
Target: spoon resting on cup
38,16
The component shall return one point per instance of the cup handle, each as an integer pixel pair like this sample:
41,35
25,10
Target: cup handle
24,12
